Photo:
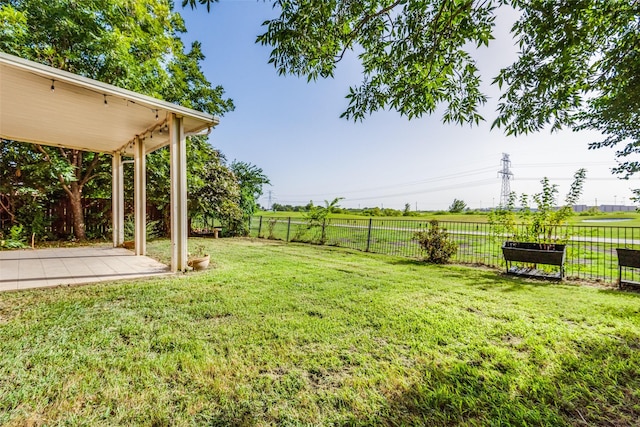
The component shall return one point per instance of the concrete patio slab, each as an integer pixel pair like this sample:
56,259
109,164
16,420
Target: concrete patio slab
40,268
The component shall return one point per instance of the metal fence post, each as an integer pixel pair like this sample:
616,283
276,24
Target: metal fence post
369,235
288,228
260,227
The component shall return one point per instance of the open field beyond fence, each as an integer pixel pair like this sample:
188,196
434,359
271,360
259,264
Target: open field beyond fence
591,250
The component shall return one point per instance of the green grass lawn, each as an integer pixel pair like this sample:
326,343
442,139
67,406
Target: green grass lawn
278,334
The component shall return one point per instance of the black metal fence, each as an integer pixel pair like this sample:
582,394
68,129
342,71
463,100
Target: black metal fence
591,250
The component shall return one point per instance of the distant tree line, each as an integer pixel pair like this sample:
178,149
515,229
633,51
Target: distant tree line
457,206
367,211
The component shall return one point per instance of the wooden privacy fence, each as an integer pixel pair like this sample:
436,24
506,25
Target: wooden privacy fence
97,216
58,217
590,250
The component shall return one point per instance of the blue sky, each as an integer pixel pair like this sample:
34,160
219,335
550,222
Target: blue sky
292,130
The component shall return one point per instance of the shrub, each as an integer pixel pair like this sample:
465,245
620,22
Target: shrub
317,218
15,240
436,243
592,211
151,227
458,206
271,225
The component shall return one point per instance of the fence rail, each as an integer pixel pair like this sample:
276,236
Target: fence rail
591,250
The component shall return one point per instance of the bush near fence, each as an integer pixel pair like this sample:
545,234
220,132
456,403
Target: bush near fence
591,250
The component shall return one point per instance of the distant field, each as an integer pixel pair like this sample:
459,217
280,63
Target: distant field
608,219
603,219
444,217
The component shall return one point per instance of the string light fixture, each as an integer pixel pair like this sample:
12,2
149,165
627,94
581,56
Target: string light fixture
155,111
148,133
160,127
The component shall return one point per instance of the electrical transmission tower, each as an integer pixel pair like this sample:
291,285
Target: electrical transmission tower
269,204
506,174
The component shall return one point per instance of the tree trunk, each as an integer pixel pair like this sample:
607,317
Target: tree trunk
6,205
75,198
74,158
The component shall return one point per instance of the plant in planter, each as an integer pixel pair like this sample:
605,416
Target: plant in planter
201,260
538,237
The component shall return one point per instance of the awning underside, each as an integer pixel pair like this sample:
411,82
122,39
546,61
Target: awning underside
75,114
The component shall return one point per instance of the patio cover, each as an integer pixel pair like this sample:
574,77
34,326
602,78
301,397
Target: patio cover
44,105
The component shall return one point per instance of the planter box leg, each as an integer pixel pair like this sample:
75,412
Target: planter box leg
619,277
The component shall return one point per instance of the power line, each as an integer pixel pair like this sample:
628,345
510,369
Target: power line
468,184
537,165
569,179
463,174
304,198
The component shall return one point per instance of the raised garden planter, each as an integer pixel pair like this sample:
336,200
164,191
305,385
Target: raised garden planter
534,254
629,258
